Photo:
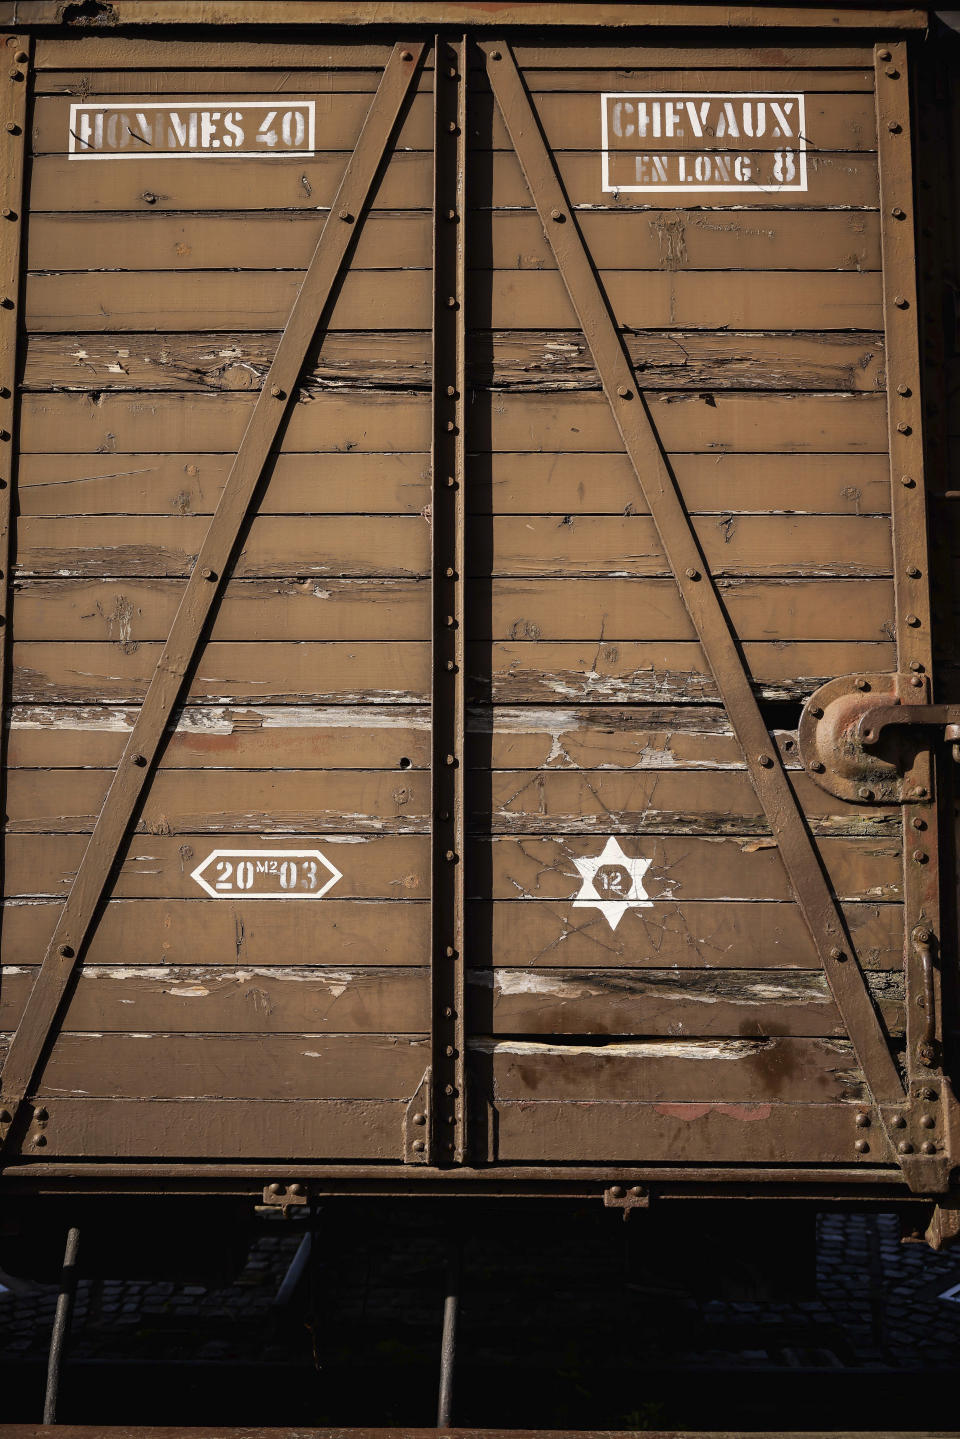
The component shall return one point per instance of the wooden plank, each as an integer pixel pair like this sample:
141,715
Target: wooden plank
725,1070
543,868
538,360
693,1003
225,801
397,867
359,483
337,672
681,935
573,802
233,1130
572,672
305,933
281,546
500,299
660,239
177,423
682,1133
346,483
833,122
159,866
129,612
227,1000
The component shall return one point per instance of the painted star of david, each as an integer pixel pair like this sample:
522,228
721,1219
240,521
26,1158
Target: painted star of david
610,894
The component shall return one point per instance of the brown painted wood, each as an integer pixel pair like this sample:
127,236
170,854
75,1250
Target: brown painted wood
506,484
692,1003
499,299
220,801
539,360
129,612
226,1001
659,239
730,1070
303,933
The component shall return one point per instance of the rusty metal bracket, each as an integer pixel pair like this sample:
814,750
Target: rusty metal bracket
617,1196
699,592
884,768
279,391
284,1196
417,1128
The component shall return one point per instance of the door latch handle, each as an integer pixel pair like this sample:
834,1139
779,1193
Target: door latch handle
873,721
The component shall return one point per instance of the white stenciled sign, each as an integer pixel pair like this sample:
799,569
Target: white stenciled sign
169,129
612,883
266,874
655,141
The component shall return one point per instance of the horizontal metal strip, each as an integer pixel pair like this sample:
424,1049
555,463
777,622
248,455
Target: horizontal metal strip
502,483
654,239
129,612
498,299
201,999
533,867
704,802
687,424
508,545
525,934
836,181
704,1132
528,360
377,672
833,122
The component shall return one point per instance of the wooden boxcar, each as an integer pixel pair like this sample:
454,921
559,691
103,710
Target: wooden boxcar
473,719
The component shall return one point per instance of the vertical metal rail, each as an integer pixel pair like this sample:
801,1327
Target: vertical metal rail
62,1318
448,1098
911,568
448,1338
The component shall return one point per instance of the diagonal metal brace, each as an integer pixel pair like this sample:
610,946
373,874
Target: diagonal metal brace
73,928
697,587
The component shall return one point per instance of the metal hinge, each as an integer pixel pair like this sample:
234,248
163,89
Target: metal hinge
860,737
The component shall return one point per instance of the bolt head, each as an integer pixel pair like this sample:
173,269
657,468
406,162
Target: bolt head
893,74
21,57
815,711
904,390
275,1188
41,1115
139,760
817,767
691,573
40,1140
920,856
917,682
66,951
927,1121
862,1146
837,954
928,1148
898,1122
864,792
901,302
276,392
419,1119
897,213
904,1147
297,1189
884,55
419,1145
913,621
923,936
624,392
764,761
862,1121
894,127
617,1191
5,1116
12,127
861,684
405,55
495,55
345,216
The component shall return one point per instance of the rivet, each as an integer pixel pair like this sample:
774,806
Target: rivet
624,392
815,711
907,481
451,426
41,1115
405,55
893,74
66,951
451,302
920,792
276,392
13,128
451,856
917,682
913,620
40,1140
297,1189
861,684
898,1122
4,434
765,761
209,574
452,127
452,72
894,127
452,391
21,57
276,1188
817,767
904,390
861,1146
897,213
918,823
419,1119
922,935
345,215
495,55
451,214
448,1013
837,954
884,55
419,1145
450,572
928,1093
904,1147
451,622
450,952
691,573
451,483
5,1116
139,760
451,759
862,1121
15,75
6,303
927,1121
149,197
920,856
864,792
904,429
451,665
913,571
556,214
449,1089
8,214
928,1148
901,302
450,1052
617,1191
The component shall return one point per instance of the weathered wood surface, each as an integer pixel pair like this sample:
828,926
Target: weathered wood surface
222,1000
836,181
531,545
231,1130
358,483
683,1133
724,1003
665,239
298,932
129,612
731,1070
252,737
529,868
548,360
377,672
687,424
223,801
117,301
705,802
832,122
696,934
